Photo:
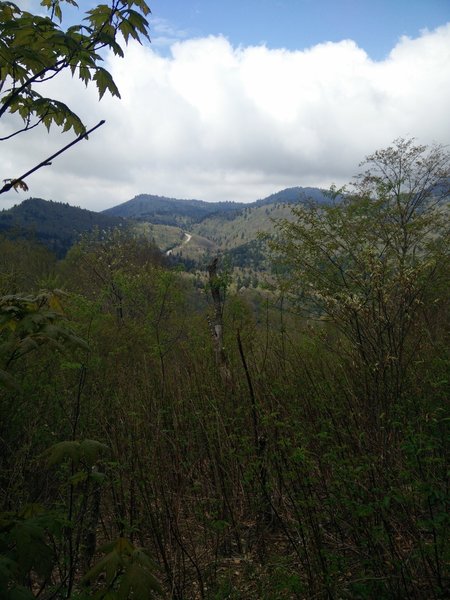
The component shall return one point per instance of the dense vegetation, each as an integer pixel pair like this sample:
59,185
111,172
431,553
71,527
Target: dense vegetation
314,465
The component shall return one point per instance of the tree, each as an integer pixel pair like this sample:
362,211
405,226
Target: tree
368,261
34,49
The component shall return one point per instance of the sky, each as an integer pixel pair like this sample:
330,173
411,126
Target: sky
237,100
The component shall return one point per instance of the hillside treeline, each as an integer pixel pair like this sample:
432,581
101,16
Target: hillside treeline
315,465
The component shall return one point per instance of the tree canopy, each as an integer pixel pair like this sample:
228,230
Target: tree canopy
365,262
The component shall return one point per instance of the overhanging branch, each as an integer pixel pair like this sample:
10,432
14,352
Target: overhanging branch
47,162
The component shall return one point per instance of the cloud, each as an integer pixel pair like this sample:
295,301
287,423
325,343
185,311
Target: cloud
164,34
217,122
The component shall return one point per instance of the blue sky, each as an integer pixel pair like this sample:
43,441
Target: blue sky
237,100
375,25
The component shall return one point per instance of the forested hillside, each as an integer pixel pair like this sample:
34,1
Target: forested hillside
169,434
170,211
173,211
213,226
58,226
245,226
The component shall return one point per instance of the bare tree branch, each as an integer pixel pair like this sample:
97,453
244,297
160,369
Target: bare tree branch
9,184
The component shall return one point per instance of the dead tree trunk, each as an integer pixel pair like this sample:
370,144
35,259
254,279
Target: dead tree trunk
217,324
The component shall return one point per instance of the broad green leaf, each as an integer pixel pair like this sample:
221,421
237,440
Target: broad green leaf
131,566
87,451
104,82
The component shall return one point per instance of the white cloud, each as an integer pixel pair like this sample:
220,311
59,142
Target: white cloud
215,122
164,34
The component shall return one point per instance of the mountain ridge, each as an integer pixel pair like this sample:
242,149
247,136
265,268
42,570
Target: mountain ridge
181,212
221,225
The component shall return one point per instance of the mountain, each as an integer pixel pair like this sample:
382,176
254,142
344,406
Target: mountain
213,226
54,224
245,226
161,210
295,195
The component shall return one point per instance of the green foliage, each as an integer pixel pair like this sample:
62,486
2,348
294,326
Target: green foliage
365,262
25,266
317,469
251,255
86,452
25,549
27,322
128,572
35,48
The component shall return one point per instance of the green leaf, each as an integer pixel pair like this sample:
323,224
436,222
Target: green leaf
32,550
34,48
127,30
104,82
87,451
109,565
78,477
131,565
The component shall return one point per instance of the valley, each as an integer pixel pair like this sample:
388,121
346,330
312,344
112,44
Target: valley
243,400
234,400
188,231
